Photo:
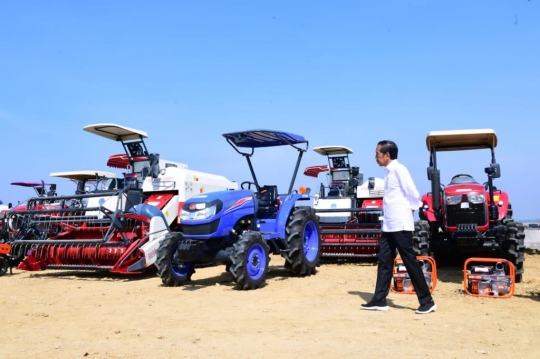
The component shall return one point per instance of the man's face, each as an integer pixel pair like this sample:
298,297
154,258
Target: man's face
383,159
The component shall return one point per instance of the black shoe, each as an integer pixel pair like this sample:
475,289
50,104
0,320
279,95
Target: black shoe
427,308
374,306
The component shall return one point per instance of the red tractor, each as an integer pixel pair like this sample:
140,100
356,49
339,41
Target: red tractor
349,210
466,218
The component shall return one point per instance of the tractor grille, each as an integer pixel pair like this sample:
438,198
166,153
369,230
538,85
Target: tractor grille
475,214
200,229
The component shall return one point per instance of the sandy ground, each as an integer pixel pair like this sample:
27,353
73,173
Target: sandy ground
53,314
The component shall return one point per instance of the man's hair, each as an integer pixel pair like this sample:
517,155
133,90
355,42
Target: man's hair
389,147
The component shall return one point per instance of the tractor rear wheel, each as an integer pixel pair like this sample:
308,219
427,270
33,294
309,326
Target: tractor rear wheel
3,266
515,245
420,239
250,261
509,214
173,272
304,241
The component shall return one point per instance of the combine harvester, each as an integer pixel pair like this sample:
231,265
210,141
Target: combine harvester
349,210
110,229
41,191
6,258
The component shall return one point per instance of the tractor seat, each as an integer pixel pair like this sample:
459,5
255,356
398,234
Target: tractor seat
335,189
267,199
334,192
462,179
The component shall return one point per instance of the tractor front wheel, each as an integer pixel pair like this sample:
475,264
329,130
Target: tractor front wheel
249,261
304,241
3,266
173,272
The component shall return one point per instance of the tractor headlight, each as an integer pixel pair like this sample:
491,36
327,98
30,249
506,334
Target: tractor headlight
476,198
198,211
451,200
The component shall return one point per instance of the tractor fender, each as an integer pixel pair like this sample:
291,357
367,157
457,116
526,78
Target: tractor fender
285,210
426,211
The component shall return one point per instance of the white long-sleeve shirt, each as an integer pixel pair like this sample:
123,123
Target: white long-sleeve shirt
400,199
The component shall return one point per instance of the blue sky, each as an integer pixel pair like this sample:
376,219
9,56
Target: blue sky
339,73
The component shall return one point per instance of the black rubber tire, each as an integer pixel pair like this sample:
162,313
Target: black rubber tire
509,214
300,260
515,245
4,235
169,269
3,266
246,261
420,239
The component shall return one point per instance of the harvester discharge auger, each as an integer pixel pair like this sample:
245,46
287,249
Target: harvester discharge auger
349,209
112,227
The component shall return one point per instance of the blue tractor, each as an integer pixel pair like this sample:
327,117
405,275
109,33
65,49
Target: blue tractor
240,228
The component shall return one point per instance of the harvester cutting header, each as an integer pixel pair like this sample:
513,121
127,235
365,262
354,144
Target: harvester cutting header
114,228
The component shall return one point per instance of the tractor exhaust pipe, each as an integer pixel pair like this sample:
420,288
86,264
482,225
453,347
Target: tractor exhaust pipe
435,189
492,172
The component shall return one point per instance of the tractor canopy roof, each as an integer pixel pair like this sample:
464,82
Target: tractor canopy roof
457,140
115,132
332,150
263,138
29,184
39,187
83,175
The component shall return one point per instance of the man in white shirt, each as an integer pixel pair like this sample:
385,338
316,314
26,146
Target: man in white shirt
401,199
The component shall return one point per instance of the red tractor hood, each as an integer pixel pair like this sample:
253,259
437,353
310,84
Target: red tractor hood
457,189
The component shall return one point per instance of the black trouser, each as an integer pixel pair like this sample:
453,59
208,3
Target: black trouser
403,242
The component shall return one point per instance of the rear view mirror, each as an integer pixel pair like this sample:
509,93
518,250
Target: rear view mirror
429,170
371,183
496,170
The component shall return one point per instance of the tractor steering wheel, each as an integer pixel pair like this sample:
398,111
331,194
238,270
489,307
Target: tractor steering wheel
461,175
248,183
